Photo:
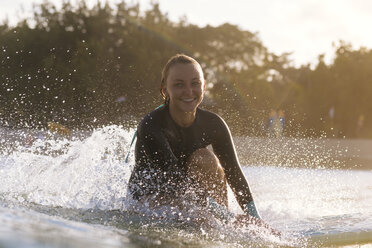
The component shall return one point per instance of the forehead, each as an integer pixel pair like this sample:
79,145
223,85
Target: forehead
185,71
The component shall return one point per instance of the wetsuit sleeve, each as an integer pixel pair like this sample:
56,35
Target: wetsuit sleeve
153,147
224,149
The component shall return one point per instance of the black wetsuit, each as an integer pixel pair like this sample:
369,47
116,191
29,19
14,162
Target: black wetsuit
163,147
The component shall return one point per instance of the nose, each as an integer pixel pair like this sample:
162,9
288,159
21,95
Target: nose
188,90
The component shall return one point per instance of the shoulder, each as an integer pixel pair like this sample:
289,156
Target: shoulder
210,118
153,119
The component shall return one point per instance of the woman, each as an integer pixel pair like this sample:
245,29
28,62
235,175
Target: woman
171,152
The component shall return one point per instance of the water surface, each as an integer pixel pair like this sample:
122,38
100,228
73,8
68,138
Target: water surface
58,192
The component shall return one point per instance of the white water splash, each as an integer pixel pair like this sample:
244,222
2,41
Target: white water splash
78,173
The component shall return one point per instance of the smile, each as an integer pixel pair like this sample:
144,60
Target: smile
188,99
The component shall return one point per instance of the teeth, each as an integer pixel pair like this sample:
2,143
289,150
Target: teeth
188,100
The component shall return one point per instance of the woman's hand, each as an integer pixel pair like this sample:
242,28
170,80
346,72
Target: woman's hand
246,220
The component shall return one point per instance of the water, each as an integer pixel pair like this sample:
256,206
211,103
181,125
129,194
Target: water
58,192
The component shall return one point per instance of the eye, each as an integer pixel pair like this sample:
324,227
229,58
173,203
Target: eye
196,83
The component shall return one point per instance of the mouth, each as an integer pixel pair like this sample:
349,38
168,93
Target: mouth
188,99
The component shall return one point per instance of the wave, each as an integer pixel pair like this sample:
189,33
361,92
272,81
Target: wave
75,173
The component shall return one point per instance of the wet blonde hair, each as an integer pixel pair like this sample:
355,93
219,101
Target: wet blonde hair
176,59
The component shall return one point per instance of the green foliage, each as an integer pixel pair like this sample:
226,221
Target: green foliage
86,66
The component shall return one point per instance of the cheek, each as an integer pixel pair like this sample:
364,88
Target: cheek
173,92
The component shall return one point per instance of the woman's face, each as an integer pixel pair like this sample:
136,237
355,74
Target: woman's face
185,87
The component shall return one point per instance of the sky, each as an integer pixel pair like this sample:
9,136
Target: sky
305,28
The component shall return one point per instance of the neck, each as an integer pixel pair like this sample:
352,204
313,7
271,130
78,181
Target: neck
183,119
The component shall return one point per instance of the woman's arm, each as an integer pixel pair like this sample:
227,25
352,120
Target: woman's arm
225,151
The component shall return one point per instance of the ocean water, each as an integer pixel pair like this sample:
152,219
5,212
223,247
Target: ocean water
58,192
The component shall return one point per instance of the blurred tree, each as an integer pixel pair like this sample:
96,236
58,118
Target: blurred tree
353,88
84,66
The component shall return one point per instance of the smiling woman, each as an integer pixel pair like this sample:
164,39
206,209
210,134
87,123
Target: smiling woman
173,166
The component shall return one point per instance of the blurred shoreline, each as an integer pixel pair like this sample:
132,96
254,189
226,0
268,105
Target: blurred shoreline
305,153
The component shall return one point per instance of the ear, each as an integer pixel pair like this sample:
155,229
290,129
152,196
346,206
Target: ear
205,85
164,91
